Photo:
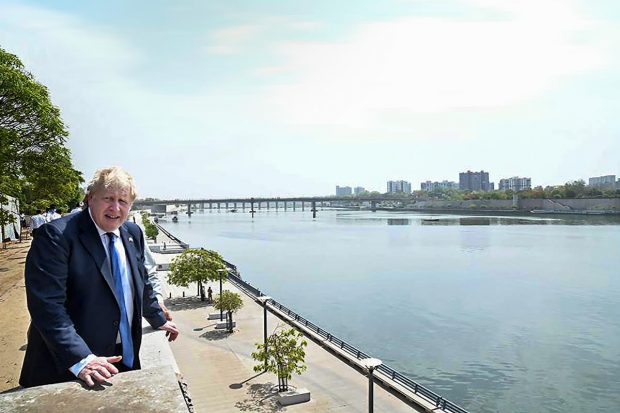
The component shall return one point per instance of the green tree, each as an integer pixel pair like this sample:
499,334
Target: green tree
151,231
196,265
34,163
283,356
231,303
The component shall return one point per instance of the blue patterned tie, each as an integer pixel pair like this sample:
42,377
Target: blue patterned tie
125,331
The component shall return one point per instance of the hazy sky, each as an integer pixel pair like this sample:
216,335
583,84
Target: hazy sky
248,98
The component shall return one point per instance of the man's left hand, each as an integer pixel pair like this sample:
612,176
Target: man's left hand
171,330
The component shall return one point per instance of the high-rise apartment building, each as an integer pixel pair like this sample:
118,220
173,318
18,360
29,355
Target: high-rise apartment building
343,190
359,190
605,181
433,186
515,184
399,186
475,181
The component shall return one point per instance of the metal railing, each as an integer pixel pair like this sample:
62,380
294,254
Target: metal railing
402,380
172,237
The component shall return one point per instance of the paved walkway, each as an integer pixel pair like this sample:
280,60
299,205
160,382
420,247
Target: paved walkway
219,369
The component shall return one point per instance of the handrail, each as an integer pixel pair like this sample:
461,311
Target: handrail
172,237
394,375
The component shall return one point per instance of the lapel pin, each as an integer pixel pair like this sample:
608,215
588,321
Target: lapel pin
130,239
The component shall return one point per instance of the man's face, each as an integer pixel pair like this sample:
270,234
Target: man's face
109,208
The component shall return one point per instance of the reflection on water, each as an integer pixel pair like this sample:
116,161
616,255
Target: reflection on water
398,221
499,313
413,218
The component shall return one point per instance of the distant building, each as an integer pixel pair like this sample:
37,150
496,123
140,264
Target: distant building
399,186
475,181
359,190
433,186
343,190
606,181
515,184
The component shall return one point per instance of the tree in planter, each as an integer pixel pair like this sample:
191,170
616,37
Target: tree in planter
283,355
196,265
229,302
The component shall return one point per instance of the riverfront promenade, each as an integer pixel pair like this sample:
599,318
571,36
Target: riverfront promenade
217,366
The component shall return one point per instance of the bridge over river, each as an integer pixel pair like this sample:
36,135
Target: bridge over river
254,204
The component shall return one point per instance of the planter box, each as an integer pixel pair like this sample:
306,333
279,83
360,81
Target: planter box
216,316
224,324
293,396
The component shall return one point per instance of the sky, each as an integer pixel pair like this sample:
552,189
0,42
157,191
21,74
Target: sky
208,99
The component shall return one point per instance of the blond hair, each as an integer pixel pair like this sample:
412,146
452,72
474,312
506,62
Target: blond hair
112,178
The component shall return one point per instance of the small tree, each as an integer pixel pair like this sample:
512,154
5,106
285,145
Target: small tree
283,356
151,231
196,265
229,302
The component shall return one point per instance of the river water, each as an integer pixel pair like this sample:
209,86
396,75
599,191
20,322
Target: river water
495,313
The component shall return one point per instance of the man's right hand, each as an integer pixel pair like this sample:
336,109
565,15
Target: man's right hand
99,370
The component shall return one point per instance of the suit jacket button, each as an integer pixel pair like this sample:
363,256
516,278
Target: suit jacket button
115,323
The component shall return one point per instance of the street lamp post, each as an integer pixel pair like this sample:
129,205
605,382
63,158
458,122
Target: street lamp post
370,364
263,299
220,271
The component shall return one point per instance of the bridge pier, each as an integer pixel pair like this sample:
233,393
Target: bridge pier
218,207
313,209
189,209
373,206
294,206
303,206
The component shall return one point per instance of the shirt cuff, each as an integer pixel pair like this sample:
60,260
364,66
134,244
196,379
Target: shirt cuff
77,367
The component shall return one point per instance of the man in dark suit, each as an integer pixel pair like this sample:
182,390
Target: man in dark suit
87,290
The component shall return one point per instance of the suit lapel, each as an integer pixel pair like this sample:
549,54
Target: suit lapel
132,253
92,243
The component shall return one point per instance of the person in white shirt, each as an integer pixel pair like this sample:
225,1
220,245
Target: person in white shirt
37,220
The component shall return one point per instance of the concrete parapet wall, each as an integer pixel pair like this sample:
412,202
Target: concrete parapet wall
155,388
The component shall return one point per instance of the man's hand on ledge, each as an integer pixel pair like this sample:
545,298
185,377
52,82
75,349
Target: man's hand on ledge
99,370
171,330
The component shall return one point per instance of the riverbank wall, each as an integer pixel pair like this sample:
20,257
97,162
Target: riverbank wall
564,205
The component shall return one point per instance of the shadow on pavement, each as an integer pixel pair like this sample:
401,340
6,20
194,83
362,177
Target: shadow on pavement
260,399
213,335
185,303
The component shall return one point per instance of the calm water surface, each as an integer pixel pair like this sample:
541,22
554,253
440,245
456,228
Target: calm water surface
498,314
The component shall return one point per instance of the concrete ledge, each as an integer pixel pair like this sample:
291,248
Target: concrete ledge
155,388
293,396
152,390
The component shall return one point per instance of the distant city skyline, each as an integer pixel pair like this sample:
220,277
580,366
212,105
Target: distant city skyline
277,98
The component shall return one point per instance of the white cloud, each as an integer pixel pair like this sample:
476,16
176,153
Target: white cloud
421,65
232,39
237,39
